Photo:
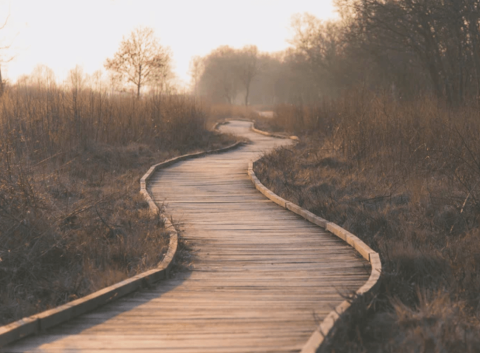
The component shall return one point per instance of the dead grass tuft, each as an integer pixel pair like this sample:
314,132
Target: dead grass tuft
404,177
221,112
71,217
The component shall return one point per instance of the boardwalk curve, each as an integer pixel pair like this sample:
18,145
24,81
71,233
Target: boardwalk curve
262,278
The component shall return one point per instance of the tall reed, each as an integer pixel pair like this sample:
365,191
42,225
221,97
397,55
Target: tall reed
71,217
405,177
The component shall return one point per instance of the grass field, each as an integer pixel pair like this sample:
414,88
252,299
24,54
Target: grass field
71,217
404,177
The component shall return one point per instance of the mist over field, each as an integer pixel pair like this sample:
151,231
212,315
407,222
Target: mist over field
383,96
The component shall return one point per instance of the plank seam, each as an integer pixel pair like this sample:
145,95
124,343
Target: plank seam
327,325
42,321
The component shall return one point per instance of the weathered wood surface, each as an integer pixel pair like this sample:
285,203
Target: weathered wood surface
261,278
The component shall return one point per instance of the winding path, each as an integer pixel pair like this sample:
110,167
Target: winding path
261,278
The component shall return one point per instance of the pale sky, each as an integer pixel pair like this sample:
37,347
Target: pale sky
64,33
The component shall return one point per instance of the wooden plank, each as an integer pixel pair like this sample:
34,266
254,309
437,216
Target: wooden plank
260,277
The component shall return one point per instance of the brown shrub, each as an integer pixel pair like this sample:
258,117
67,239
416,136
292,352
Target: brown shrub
71,217
405,178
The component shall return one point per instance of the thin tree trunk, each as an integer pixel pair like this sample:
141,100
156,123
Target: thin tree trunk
139,85
1,82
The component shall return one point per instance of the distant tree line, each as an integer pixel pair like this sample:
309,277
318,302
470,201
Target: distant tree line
226,73
141,66
406,47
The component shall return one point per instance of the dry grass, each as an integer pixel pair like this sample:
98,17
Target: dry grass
71,217
405,178
220,112
268,124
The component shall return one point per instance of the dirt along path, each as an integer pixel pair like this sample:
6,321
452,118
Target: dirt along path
261,277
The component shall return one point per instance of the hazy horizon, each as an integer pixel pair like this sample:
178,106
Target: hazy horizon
62,35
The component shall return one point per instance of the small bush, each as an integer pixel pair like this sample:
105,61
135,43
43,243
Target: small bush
403,176
72,220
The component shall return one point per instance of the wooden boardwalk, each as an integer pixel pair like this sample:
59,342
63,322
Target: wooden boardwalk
261,280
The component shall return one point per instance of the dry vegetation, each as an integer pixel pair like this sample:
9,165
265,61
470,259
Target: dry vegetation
403,176
223,112
395,162
71,216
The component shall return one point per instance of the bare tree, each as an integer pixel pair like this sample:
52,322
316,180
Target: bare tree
196,71
225,72
2,59
140,60
162,80
247,67
318,52
220,80
76,81
432,39
43,76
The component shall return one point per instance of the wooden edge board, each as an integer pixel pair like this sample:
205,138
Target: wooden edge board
217,124
40,322
326,326
226,121
254,129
